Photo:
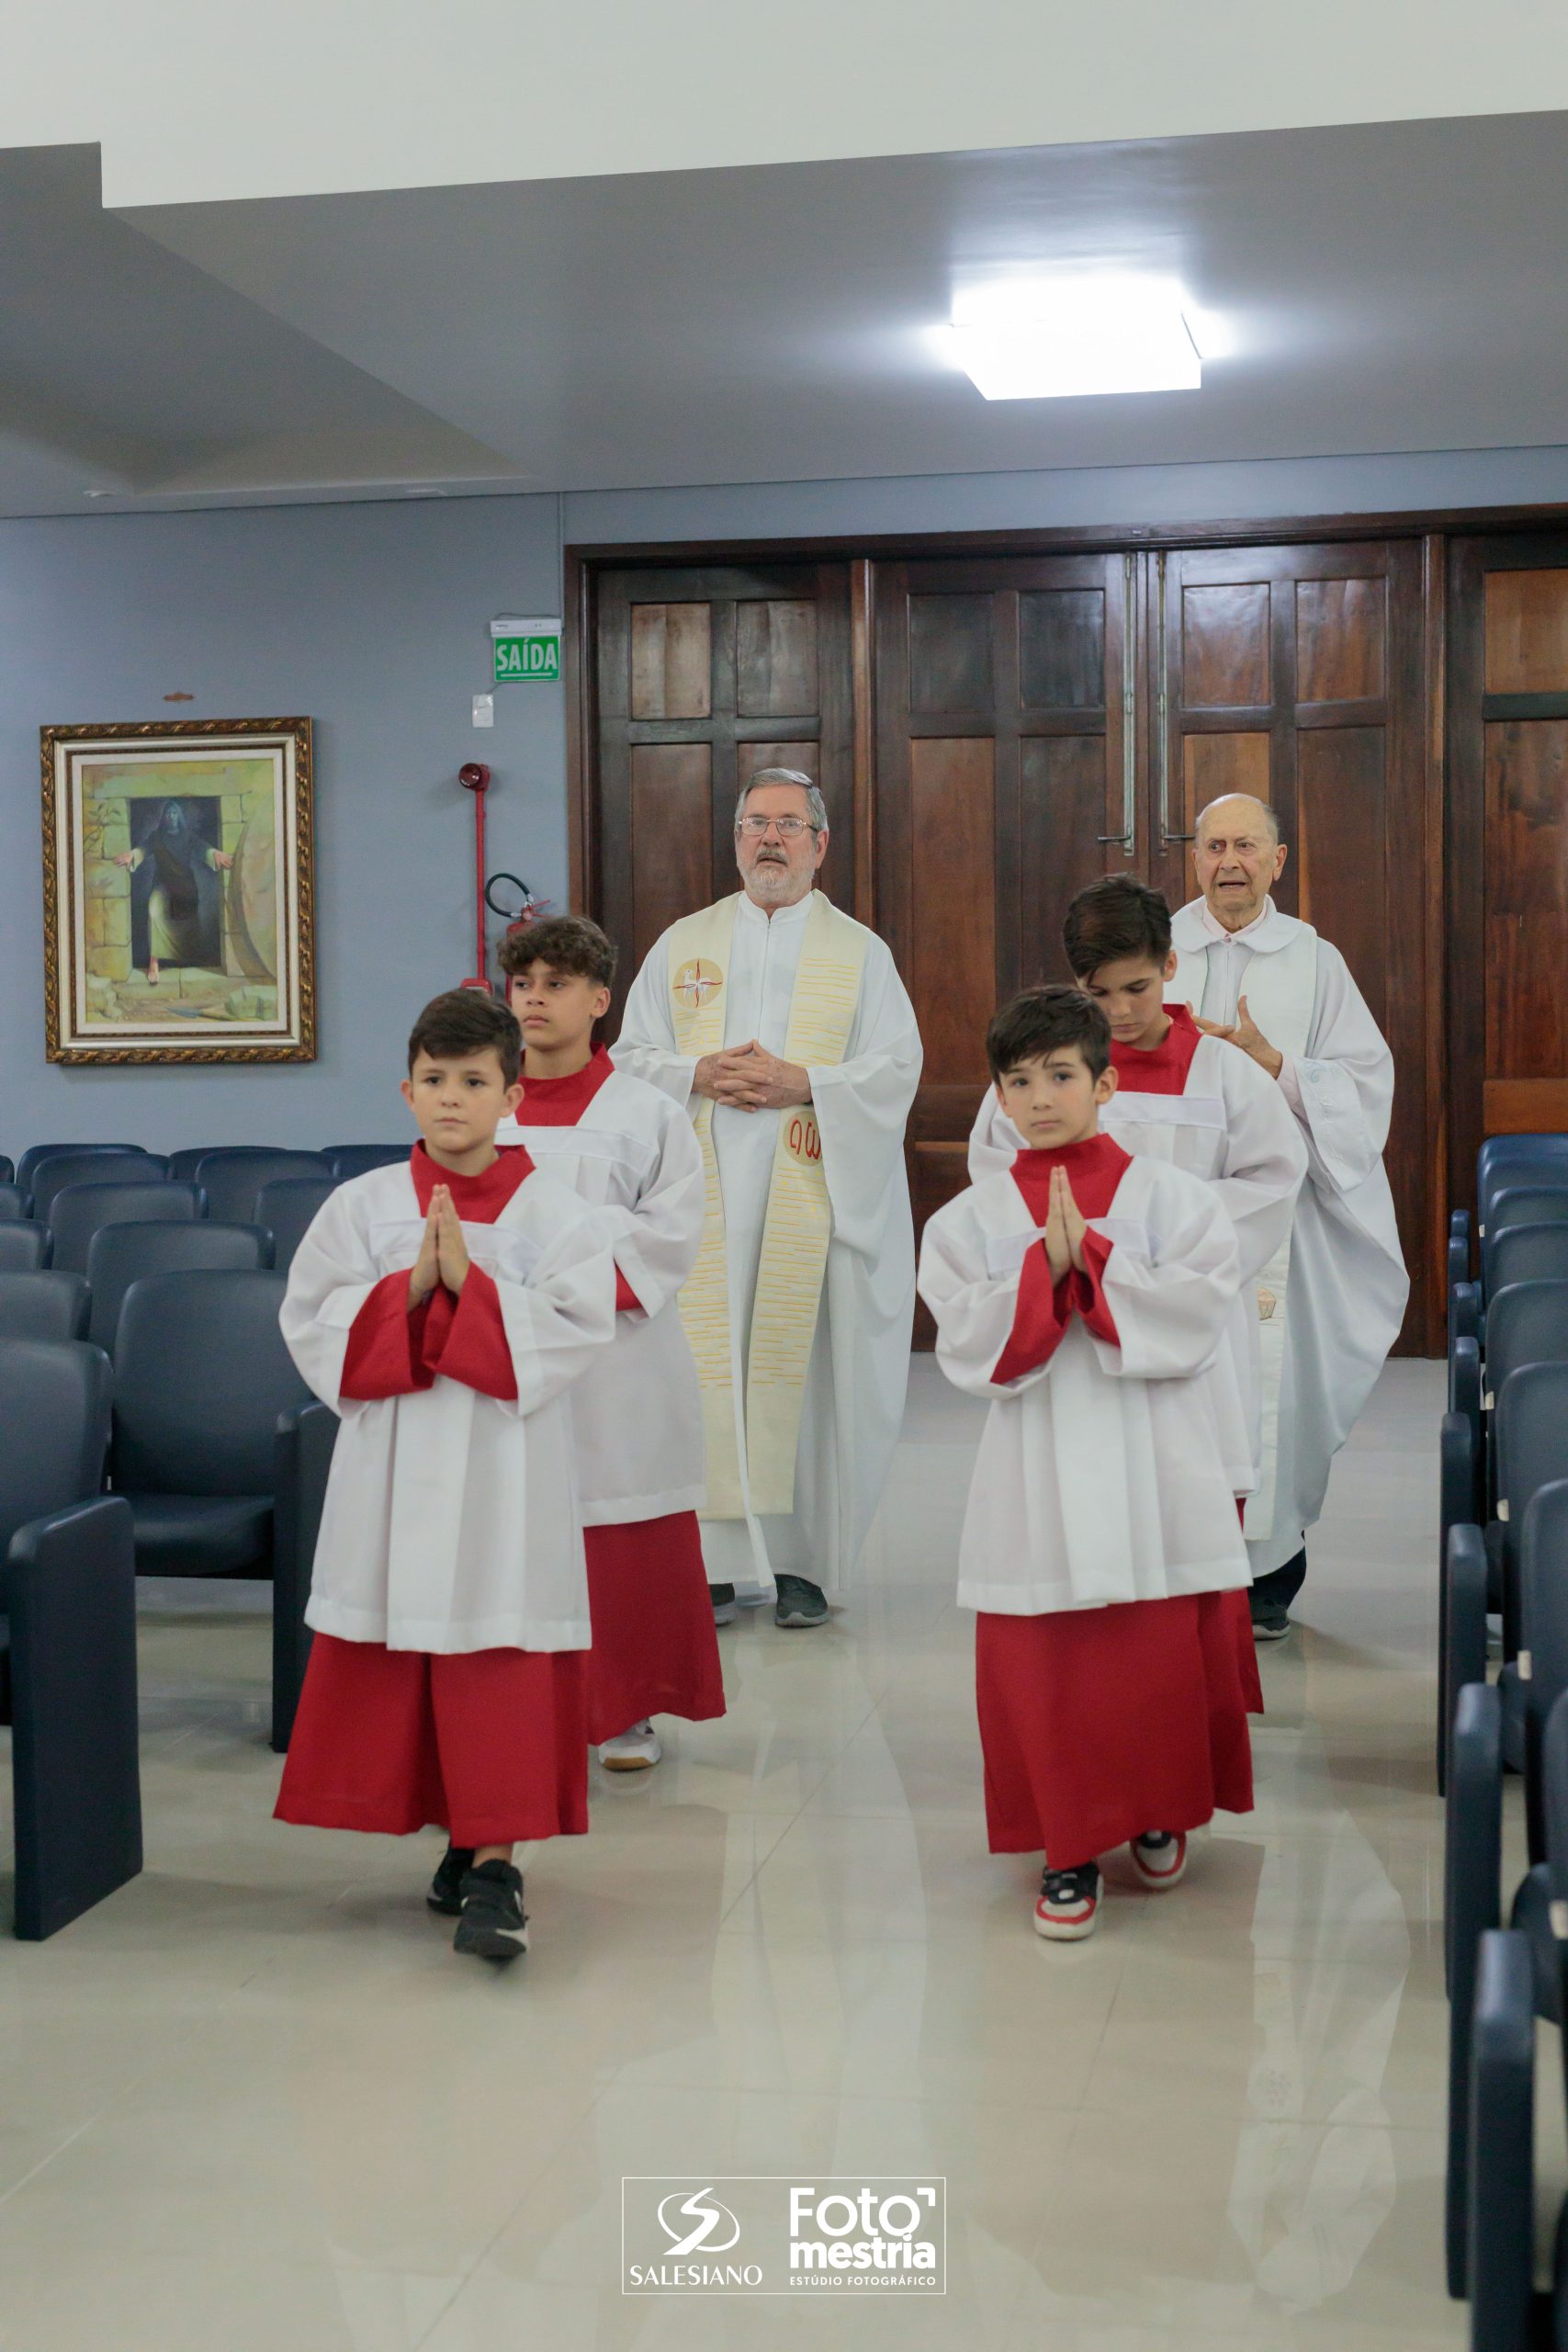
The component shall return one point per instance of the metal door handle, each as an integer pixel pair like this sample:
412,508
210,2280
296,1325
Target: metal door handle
1128,837
1162,723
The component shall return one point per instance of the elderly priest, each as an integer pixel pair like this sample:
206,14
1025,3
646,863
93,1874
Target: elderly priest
786,1029
1332,1299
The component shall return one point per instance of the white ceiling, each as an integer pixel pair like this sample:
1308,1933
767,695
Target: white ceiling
194,103
1378,288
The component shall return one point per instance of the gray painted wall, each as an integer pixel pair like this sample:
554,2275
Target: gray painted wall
373,619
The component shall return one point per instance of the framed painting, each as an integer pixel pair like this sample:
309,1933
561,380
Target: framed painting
178,892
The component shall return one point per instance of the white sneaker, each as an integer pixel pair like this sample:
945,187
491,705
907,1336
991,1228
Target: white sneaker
631,1751
1159,1857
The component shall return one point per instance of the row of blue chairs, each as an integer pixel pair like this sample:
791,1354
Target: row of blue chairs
76,1194
229,1177
198,1453
283,1209
340,1160
1504,1557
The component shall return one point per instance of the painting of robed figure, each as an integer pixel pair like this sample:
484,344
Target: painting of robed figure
178,892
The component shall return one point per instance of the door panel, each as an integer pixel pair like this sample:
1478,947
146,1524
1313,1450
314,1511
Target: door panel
1295,674
1004,782
705,673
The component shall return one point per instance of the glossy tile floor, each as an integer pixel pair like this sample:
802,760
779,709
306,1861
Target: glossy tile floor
255,2101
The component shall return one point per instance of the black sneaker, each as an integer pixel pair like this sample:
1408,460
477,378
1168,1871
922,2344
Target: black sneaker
1068,1905
800,1602
723,1598
493,1924
445,1893
1269,1622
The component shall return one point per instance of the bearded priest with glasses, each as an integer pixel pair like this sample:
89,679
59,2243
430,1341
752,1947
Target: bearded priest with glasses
784,1028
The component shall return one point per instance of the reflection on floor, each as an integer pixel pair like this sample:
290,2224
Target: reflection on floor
255,2101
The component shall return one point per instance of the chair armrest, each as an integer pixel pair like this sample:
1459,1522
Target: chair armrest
68,1587
1464,1384
1472,1875
1459,1475
1464,1311
1500,2221
302,1462
1469,1581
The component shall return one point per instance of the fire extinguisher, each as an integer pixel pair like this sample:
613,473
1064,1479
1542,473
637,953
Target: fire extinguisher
474,778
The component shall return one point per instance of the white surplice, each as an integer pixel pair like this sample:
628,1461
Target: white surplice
1230,1126
452,1520
1099,1477
1347,1286
635,1411
860,1359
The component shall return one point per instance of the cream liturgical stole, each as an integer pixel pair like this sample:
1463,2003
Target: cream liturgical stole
1280,991
799,1219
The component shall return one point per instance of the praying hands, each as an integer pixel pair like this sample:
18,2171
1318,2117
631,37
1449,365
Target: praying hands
1065,1229
747,1077
442,1252
1244,1032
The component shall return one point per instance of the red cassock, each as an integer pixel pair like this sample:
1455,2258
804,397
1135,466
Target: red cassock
655,1651
490,1745
1097,1724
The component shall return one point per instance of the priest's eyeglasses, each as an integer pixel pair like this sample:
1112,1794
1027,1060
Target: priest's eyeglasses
790,827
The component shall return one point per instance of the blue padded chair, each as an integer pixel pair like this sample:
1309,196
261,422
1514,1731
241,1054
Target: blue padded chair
8,1170
201,1376
1518,1205
43,1307
1499,2217
184,1164
1474,1847
23,1248
123,1254
203,1382
1501,1154
1526,1323
81,1209
1531,1253
29,1160
14,1205
67,1635
232,1179
286,1208
53,1174
346,1160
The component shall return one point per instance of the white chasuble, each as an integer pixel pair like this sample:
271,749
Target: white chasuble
451,1520
635,1412
1101,1476
800,1307
1230,1126
1340,1290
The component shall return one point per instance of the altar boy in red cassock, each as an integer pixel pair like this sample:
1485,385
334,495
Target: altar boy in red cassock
638,1412
1087,1292
443,1308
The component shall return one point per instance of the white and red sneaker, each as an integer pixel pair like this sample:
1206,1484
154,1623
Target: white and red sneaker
1159,1857
1068,1905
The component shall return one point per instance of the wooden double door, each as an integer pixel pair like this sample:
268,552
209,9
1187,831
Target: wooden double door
991,732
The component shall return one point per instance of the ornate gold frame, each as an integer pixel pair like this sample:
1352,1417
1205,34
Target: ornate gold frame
64,1042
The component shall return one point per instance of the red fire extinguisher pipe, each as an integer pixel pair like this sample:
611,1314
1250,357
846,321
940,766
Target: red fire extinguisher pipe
474,776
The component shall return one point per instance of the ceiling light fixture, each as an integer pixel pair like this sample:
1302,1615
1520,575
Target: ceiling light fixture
98,494
423,490
1064,338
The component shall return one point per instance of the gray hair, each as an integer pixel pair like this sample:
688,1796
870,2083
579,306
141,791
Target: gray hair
814,800
1270,821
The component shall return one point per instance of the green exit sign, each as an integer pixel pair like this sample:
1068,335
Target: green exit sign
527,653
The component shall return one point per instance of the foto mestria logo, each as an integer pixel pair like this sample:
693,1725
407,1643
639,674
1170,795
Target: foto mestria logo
774,2234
